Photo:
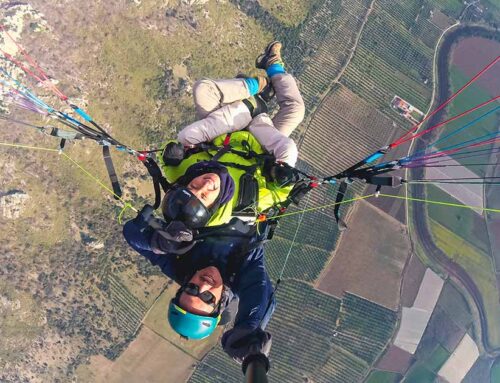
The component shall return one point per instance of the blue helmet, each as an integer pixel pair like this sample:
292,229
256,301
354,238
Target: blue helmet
190,325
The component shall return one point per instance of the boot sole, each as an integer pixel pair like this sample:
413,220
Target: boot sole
261,60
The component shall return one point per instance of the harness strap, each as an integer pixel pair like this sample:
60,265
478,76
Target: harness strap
158,180
108,161
225,148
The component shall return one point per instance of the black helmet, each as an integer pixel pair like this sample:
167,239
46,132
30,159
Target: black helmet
181,205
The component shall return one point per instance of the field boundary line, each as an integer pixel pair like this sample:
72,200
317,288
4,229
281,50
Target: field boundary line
335,81
385,214
172,343
331,257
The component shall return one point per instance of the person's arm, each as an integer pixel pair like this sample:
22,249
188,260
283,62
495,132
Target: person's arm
255,308
138,235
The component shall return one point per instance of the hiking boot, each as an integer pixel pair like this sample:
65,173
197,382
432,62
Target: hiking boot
256,105
268,92
263,83
271,55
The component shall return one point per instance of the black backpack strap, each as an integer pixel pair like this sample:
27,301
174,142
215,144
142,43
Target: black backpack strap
108,161
158,180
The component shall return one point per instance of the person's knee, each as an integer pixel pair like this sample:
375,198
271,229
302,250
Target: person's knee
287,151
189,136
202,87
299,111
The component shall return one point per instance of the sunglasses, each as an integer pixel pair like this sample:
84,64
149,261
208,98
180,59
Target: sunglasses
194,290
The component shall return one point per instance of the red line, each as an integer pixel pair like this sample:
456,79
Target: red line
450,151
480,73
21,65
44,78
449,120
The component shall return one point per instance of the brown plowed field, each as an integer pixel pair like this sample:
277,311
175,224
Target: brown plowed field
465,56
395,360
411,283
370,258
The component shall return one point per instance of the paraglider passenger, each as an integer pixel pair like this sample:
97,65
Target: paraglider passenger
257,153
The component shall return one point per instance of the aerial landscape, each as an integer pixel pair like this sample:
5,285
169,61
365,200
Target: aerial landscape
409,292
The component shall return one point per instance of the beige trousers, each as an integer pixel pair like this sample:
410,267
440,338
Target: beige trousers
220,111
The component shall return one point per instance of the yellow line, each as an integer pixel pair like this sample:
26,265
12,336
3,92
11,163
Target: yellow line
323,206
28,147
442,203
85,171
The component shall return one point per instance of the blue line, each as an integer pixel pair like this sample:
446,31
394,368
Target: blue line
457,131
84,115
27,93
458,145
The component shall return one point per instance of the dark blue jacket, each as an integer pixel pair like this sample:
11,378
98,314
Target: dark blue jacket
250,284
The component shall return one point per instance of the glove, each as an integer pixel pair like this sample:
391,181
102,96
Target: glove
174,238
173,153
239,343
144,216
179,232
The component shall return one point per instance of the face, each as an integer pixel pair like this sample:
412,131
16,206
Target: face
206,188
207,279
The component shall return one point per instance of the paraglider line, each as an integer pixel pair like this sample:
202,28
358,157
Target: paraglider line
82,169
479,74
442,203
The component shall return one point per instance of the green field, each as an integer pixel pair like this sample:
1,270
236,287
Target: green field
478,266
383,377
436,359
495,372
419,374
470,97
452,8
455,305
465,223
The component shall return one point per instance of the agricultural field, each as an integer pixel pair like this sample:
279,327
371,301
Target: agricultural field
473,125
495,372
383,377
333,339
449,322
322,47
388,63
479,266
313,243
452,8
375,251
148,358
344,118
464,222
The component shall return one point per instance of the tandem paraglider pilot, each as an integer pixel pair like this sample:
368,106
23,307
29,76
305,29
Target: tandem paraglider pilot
226,168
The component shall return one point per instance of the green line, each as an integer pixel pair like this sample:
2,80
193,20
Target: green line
323,206
86,172
442,203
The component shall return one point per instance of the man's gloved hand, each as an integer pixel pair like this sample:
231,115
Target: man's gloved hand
174,238
179,232
239,343
173,153
143,216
